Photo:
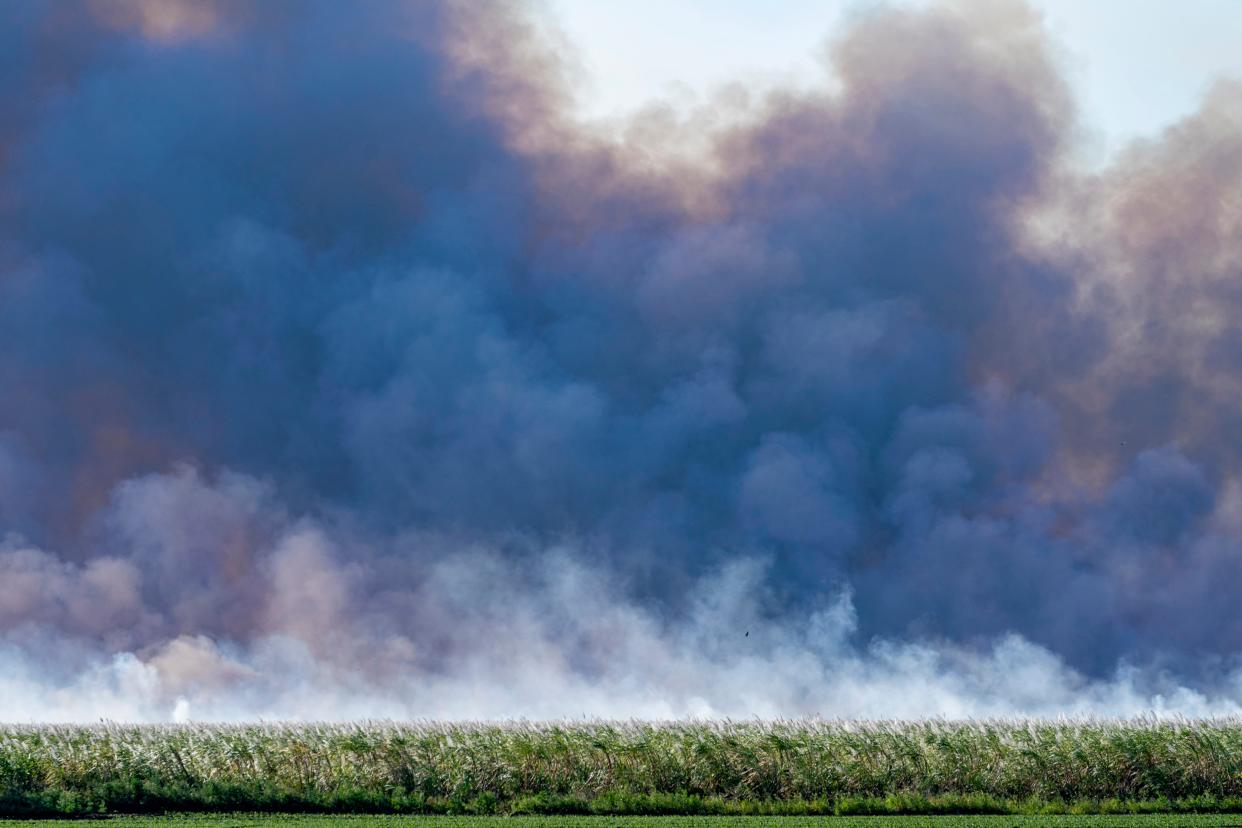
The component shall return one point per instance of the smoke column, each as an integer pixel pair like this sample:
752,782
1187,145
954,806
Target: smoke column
345,373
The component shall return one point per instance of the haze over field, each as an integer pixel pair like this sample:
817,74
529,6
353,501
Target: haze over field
347,372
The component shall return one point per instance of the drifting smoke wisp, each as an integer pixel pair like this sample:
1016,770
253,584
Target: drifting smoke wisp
345,374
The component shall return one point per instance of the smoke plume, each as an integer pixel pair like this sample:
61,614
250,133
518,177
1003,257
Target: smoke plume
346,373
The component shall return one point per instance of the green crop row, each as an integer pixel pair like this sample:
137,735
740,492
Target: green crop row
768,767
250,820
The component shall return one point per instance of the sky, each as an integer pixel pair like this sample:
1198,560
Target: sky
391,360
1137,66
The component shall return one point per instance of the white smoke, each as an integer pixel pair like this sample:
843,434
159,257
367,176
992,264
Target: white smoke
478,634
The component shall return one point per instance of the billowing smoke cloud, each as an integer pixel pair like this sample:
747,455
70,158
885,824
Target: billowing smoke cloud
346,374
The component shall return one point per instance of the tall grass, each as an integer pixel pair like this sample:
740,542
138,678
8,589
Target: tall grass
802,766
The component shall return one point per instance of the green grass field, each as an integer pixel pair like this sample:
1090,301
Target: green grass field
959,821
785,768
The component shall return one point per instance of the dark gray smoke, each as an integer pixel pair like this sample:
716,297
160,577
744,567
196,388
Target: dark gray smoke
344,373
